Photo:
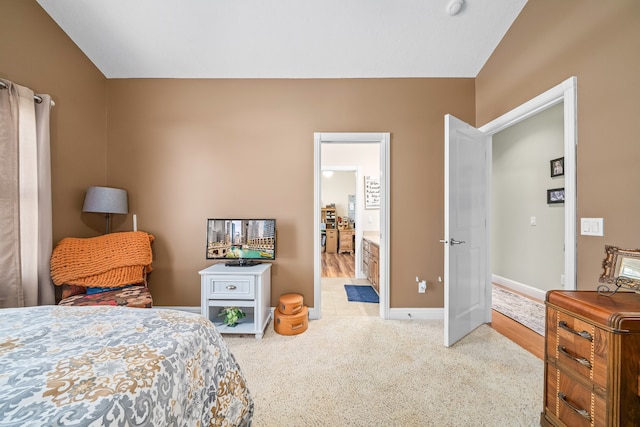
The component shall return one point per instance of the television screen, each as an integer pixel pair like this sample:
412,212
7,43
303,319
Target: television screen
241,240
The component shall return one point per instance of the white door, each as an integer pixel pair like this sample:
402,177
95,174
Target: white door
466,296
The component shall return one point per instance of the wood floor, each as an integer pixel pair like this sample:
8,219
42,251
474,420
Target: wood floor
516,332
519,334
338,265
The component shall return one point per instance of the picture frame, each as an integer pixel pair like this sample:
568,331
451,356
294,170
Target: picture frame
555,195
371,192
557,167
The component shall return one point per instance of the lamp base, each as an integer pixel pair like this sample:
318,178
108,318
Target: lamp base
107,218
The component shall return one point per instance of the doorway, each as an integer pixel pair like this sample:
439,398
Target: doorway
377,224
338,221
528,229
564,93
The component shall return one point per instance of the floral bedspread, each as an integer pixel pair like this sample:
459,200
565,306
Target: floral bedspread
117,366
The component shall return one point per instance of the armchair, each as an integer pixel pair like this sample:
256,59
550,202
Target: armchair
105,270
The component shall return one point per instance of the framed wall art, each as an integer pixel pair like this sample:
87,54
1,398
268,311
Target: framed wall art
557,167
555,195
371,192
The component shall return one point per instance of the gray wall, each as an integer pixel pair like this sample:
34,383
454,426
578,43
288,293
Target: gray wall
530,255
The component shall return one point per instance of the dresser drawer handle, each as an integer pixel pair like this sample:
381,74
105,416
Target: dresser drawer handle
582,412
580,360
232,287
584,334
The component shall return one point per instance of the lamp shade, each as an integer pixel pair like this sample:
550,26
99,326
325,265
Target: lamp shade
106,200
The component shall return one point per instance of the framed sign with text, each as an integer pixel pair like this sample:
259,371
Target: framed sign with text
371,192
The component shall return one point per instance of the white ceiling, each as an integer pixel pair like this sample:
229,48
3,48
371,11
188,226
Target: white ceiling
284,38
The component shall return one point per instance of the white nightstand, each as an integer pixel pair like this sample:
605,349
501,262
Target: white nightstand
246,287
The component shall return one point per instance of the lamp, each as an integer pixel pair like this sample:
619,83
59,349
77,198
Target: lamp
106,200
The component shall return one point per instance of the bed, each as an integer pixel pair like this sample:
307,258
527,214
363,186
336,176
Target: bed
117,366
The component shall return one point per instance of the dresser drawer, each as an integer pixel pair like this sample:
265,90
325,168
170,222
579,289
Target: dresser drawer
585,326
374,250
230,287
579,346
572,403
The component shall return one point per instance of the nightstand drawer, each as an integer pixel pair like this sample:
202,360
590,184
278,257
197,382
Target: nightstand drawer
231,288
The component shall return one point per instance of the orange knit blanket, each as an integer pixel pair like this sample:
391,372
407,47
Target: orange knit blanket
107,261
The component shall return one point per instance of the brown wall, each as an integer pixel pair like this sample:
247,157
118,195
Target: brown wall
191,149
599,42
188,150
36,53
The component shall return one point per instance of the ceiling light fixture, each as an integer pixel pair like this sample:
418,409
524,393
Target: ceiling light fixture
454,7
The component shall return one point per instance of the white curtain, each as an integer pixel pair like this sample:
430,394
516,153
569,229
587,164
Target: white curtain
25,198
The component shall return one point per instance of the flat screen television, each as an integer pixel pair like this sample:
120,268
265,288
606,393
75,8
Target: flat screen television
241,242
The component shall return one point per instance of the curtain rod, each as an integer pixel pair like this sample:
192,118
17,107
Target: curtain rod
37,98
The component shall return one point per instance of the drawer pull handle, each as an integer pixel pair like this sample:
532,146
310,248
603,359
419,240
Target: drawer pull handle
232,287
580,360
584,334
582,412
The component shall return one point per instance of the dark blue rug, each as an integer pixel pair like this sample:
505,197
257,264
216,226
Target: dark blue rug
361,293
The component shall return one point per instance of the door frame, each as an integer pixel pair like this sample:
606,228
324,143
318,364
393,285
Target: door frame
564,92
382,138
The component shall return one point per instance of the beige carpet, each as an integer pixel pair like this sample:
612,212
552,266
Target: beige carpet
362,371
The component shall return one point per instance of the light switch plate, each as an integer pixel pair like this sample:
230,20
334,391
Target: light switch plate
592,226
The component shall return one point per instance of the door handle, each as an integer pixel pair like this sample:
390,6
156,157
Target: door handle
453,241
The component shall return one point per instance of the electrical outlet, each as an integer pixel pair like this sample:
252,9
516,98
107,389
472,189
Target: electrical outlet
422,286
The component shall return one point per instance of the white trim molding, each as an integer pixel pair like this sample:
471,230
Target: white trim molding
195,309
519,287
564,92
416,313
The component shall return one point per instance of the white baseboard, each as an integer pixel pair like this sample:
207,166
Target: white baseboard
400,313
519,287
416,313
313,313
195,309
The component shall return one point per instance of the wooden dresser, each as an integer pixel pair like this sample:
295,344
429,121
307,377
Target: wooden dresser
346,240
592,359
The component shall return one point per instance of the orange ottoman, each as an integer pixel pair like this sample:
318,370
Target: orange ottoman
291,324
290,304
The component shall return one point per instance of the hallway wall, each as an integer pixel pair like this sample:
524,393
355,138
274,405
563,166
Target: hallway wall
531,255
